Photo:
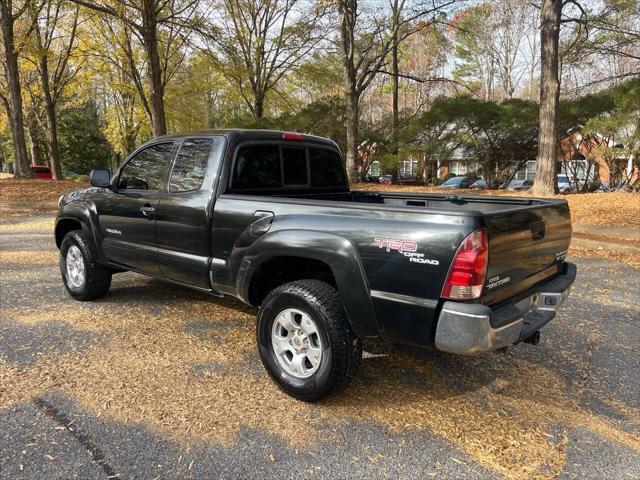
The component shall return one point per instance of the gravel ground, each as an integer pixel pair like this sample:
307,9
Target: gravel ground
156,381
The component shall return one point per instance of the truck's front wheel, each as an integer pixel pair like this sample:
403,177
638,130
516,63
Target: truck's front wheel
305,341
83,278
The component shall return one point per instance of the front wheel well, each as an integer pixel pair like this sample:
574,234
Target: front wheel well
64,226
277,271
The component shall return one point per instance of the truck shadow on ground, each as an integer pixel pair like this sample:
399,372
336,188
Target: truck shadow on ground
382,363
524,372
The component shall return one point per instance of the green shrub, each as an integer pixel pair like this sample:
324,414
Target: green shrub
593,185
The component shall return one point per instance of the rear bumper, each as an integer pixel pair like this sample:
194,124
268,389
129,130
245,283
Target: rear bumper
470,328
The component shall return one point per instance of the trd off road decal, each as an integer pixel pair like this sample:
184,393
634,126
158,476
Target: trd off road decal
406,248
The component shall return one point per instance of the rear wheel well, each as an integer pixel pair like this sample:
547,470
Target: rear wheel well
64,226
280,270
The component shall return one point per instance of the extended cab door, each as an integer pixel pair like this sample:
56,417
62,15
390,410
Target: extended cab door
127,214
184,212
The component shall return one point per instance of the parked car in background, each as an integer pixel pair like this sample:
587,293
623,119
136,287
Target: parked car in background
564,186
519,185
479,184
42,172
458,182
385,179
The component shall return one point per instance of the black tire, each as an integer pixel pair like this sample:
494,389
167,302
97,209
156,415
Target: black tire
97,278
341,349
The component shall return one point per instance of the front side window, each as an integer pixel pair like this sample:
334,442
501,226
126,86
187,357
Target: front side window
144,171
190,165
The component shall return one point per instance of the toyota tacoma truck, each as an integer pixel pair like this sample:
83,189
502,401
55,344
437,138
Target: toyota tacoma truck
268,217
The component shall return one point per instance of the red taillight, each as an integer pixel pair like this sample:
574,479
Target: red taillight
296,137
469,268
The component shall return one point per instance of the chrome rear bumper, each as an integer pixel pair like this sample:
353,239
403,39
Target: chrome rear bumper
471,328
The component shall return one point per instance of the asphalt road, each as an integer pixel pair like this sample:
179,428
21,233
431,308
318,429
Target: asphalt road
156,381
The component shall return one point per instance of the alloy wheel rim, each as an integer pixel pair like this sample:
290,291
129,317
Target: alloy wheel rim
75,267
296,342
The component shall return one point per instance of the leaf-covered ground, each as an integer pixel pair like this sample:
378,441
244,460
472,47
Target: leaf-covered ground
160,381
33,189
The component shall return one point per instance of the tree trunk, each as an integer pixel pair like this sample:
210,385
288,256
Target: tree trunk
52,139
52,124
394,78
15,94
348,13
353,116
546,181
150,37
258,105
34,135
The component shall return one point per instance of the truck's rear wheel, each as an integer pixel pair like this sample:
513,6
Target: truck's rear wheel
305,341
83,278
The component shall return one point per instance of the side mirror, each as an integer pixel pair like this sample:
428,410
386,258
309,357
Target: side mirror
99,178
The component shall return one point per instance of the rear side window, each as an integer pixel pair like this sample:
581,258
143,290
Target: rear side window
257,166
262,167
190,165
144,171
327,169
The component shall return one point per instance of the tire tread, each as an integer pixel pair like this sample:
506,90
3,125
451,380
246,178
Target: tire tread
98,277
346,346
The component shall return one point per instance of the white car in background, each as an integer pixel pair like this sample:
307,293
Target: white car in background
564,186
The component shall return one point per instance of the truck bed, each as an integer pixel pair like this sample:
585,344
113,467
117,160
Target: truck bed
482,204
528,237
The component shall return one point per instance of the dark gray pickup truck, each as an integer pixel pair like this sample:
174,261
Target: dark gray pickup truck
268,217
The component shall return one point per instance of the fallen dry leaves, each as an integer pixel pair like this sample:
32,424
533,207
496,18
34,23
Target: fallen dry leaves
186,365
27,257
143,372
632,259
34,189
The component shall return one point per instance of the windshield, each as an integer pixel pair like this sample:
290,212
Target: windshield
563,178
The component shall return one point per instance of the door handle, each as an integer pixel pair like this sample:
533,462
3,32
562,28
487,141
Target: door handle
147,210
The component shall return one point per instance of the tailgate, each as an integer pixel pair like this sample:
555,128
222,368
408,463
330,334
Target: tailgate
526,245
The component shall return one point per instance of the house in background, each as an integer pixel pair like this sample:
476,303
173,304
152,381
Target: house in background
587,157
457,163
583,159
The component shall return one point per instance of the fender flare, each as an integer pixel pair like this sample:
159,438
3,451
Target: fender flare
337,252
86,216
